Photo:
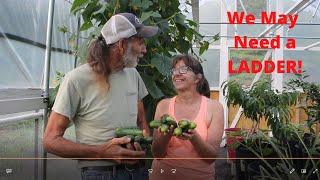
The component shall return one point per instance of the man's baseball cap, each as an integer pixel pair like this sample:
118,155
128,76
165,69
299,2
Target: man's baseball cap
125,25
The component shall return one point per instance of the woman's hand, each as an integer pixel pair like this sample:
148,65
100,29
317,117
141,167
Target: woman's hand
188,135
166,132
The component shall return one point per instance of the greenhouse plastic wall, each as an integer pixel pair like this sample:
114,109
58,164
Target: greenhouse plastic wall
23,28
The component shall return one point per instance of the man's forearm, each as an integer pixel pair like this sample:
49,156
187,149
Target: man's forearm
144,126
68,149
141,121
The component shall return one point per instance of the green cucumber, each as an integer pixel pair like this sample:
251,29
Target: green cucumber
192,125
146,140
164,128
171,123
155,124
183,124
168,120
164,117
177,131
133,131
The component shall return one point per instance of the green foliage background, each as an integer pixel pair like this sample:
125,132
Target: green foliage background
176,35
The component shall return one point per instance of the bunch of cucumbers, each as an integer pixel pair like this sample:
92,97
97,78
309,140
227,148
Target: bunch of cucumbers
135,134
167,121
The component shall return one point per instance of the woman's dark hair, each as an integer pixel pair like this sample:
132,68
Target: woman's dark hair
98,57
195,65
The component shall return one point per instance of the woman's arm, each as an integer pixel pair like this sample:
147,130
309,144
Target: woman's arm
160,141
210,148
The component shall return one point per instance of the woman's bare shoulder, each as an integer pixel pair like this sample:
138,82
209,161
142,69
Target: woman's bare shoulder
163,105
164,102
215,110
214,105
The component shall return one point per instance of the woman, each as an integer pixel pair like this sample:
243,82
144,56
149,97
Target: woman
190,156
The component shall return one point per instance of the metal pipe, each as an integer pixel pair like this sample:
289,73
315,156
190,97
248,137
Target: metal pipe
236,25
260,23
316,10
10,106
296,37
312,45
36,148
47,78
78,34
17,59
21,118
294,9
244,9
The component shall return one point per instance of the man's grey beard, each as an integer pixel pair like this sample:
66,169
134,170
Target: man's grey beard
129,59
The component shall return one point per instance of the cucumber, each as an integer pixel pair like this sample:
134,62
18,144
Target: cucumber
192,125
155,124
164,117
133,131
146,140
177,131
137,139
168,120
183,124
171,123
164,128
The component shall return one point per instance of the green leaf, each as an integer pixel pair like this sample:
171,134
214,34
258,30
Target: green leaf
88,11
204,46
156,14
77,5
145,16
162,63
136,3
86,26
192,23
101,10
216,37
96,32
146,4
189,34
180,18
63,29
152,87
72,40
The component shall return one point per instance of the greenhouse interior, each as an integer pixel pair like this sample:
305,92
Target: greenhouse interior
271,118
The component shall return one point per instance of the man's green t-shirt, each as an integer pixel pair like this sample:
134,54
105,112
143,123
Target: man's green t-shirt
96,111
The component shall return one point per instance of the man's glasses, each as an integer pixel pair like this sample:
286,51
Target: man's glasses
181,70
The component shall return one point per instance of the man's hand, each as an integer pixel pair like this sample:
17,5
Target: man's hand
146,132
134,146
113,149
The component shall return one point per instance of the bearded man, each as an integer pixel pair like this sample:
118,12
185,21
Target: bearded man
99,96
